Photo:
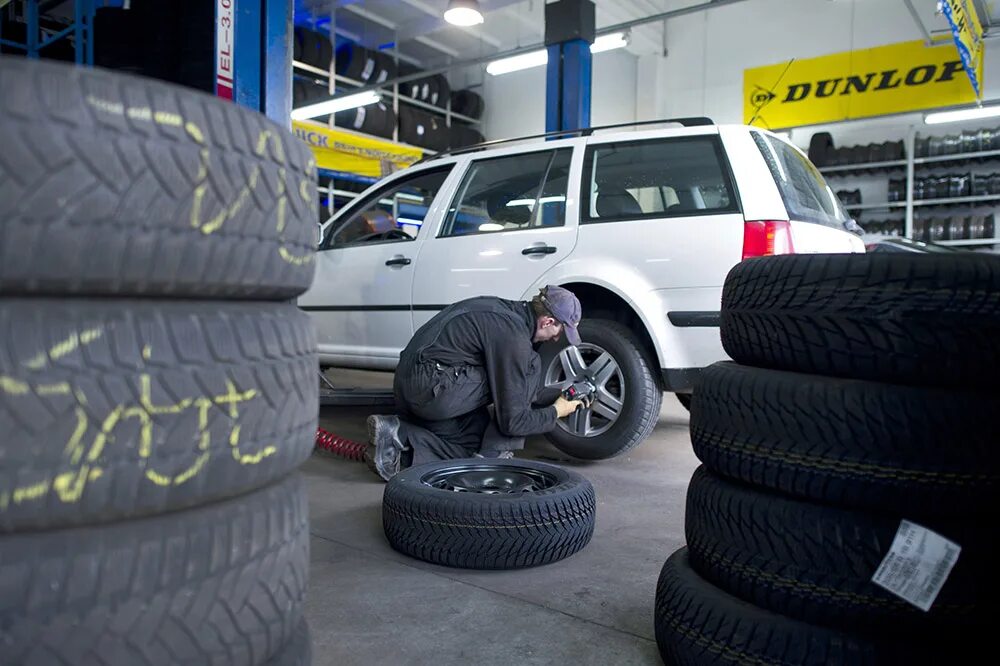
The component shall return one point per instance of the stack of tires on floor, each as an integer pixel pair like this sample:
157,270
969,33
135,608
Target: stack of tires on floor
157,389
849,451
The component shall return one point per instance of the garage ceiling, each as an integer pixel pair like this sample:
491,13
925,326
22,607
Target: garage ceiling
427,40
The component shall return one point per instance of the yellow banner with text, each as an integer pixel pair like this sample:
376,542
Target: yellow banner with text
338,150
856,84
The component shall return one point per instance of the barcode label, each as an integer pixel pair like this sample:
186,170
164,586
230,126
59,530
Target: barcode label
917,564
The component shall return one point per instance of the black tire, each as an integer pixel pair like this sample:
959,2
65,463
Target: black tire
698,624
219,584
117,185
476,530
848,442
685,400
895,317
815,563
298,650
820,147
75,376
643,395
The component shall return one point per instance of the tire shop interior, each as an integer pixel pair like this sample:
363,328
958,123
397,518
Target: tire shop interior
716,389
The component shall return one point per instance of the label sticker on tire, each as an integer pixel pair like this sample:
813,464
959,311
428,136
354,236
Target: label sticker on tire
917,564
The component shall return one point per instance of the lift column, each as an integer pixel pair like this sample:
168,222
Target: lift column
569,32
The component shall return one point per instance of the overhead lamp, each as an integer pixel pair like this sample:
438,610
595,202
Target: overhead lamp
463,13
615,40
974,113
336,104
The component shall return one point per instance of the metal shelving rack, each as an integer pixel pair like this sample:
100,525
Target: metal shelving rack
82,29
910,204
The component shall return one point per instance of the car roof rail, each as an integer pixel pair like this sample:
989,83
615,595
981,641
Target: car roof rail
695,121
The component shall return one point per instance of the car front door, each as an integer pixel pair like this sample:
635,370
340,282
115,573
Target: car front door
360,299
511,220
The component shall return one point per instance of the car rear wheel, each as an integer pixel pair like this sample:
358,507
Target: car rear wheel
628,398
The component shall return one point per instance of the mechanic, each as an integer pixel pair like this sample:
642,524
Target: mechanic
469,383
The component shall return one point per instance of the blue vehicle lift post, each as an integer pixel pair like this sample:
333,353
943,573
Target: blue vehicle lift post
569,32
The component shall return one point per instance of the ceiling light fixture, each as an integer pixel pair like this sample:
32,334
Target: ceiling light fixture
615,40
974,113
335,104
463,13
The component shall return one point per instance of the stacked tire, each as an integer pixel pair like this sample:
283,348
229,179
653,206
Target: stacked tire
156,387
852,429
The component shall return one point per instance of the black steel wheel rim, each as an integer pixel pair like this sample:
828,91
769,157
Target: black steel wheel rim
488,478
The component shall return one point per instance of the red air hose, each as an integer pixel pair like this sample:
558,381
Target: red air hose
338,446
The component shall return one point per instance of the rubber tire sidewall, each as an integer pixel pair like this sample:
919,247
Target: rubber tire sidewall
638,417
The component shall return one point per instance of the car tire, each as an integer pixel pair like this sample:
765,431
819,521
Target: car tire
697,624
115,185
298,650
219,584
897,317
112,409
494,523
642,395
852,443
796,560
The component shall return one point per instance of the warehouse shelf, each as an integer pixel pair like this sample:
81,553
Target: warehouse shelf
952,201
886,204
845,169
970,241
960,157
446,111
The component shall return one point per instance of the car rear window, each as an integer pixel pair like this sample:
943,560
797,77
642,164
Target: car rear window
807,196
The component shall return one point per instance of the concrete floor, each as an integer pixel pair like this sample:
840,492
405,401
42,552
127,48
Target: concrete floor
368,604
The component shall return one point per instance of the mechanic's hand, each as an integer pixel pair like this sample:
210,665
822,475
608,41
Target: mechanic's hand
566,407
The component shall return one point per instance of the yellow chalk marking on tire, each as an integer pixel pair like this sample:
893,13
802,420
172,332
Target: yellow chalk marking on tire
12,386
105,105
74,450
64,347
262,140
31,492
167,118
139,113
147,352
194,132
61,388
304,190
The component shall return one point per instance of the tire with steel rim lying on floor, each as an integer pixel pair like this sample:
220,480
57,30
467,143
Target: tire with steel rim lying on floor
219,584
815,563
112,409
849,442
928,319
698,624
488,514
118,185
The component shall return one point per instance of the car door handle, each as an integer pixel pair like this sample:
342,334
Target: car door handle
539,249
398,261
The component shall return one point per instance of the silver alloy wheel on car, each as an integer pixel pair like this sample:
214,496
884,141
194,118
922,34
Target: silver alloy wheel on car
588,361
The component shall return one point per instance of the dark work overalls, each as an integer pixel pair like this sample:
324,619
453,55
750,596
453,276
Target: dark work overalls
467,382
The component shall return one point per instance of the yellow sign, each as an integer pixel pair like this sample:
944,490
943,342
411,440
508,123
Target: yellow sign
968,34
856,84
338,150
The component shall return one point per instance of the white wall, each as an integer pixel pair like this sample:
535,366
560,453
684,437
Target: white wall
515,102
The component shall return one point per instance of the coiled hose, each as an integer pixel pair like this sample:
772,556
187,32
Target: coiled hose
339,446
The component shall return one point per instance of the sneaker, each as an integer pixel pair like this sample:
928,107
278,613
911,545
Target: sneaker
384,452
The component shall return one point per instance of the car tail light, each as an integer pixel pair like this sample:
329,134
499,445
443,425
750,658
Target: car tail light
767,238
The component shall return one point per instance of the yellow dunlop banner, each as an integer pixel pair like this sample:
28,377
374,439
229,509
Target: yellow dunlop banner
337,150
856,84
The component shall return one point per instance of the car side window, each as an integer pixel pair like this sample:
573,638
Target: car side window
657,178
391,214
511,193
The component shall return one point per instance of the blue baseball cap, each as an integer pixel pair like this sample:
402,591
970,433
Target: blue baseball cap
565,307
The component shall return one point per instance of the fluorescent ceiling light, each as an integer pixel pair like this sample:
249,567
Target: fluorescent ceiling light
518,62
335,104
962,114
615,40
463,13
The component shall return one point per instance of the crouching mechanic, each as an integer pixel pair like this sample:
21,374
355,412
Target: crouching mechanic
470,382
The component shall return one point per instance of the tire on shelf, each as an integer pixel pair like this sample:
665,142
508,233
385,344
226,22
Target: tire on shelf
375,119
846,442
633,385
792,557
468,103
358,63
315,48
511,514
217,584
820,148
878,317
420,128
123,186
461,136
698,624
115,409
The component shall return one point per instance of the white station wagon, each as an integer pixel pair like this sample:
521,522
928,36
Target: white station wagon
642,225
